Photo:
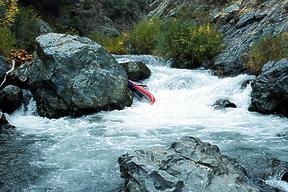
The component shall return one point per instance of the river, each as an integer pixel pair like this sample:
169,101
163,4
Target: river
80,154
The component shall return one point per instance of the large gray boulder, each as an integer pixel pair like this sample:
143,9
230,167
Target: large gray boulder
188,165
72,75
270,89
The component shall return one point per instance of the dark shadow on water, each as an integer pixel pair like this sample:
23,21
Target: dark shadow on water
17,154
259,163
261,159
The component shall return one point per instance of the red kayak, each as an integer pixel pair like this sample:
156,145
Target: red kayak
141,91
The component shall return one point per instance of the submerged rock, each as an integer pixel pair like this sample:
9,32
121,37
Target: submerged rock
73,75
136,70
260,165
270,89
223,103
11,98
188,165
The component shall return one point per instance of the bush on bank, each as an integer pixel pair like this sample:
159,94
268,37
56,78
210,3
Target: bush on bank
115,45
25,29
188,43
143,38
267,49
7,41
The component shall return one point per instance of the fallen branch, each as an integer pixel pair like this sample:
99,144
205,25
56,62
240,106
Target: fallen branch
7,73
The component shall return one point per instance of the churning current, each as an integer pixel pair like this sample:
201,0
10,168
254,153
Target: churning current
80,154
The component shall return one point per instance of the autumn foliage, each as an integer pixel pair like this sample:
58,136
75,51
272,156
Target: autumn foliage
11,9
20,56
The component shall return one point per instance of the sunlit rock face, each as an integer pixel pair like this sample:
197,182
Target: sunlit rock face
188,165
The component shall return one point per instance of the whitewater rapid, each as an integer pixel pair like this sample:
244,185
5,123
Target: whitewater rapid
80,154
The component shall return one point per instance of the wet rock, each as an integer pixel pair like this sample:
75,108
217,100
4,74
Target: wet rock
188,165
245,84
13,78
136,70
285,177
270,89
11,98
229,68
260,165
4,124
3,68
72,75
223,103
27,97
175,63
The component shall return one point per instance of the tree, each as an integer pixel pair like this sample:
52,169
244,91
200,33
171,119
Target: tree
10,9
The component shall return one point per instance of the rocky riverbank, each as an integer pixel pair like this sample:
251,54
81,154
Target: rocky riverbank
242,23
74,76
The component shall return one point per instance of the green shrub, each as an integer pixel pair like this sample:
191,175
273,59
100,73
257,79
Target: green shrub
124,8
87,4
186,42
143,38
67,22
193,13
173,40
115,45
67,29
7,41
267,49
114,8
189,43
25,29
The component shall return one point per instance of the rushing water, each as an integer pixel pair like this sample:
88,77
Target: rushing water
80,154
